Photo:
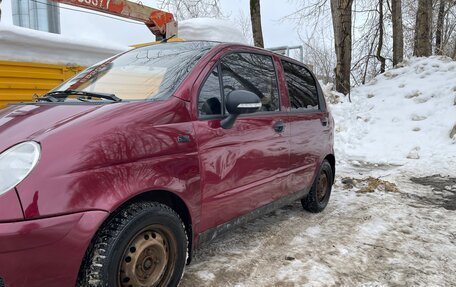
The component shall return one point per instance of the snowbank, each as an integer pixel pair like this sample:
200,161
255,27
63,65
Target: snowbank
21,44
210,30
403,117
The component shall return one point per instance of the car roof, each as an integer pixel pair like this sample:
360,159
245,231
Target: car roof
222,45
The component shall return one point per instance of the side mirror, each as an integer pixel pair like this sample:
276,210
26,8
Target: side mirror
237,103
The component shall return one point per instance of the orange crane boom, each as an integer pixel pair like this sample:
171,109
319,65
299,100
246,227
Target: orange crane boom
160,23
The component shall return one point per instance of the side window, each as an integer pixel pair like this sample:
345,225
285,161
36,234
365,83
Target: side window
254,73
302,89
210,98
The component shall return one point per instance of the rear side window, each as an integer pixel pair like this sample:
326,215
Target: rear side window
254,73
302,89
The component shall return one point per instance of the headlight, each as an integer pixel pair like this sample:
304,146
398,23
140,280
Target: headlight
16,164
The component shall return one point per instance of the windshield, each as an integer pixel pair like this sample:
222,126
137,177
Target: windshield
151,72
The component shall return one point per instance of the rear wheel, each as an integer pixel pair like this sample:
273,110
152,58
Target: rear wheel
318,197
144,245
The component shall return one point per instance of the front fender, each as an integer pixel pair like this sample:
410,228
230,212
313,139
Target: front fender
99,163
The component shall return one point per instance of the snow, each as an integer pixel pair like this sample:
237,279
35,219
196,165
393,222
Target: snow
403,117
210,30
364,239
205,275
21,44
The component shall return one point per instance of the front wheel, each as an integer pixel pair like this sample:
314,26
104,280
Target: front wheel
144,244
318,197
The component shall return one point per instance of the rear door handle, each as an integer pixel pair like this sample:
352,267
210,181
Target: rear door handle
279,127
324,121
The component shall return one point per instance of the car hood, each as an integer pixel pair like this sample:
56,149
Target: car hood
20,123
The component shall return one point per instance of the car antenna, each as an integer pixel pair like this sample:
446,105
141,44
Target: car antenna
166,39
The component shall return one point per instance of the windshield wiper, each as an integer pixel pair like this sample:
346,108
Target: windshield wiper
57,96
47,99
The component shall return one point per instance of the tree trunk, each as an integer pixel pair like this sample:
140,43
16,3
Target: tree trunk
454,51
423,29
439,32
255,15
380,58
341,11
398,32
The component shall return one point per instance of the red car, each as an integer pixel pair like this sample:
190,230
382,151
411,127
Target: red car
115,177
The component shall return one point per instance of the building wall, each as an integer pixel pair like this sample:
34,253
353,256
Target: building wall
7,12
41,16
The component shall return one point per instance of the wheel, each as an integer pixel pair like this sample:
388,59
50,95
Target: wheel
144,244
318,197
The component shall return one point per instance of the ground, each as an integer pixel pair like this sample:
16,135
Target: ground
382,227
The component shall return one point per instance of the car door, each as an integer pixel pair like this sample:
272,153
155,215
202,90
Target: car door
244,167
309,122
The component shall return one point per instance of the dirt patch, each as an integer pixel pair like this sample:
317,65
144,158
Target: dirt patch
369,184
444,191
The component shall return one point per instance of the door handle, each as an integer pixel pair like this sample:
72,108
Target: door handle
324,121
279,127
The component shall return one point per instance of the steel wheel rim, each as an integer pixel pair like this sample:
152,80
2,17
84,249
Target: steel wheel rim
322,186
149,259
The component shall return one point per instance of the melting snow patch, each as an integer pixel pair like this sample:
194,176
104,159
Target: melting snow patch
320,275
372,229
313,231
206,275
292,272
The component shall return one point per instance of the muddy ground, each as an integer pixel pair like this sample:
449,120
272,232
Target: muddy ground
379,237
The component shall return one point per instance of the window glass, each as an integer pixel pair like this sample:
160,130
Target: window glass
39,15
210,98
151,72
254,73
302,89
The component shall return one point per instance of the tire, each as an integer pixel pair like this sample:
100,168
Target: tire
318,197
144,244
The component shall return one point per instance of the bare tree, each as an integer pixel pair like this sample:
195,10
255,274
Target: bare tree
398,32
320,54
439,32
255,15
186,9
342,23
244,23
423,29
371,46
454,51
380,58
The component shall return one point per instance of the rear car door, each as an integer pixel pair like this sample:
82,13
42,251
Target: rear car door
244,167
309,121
